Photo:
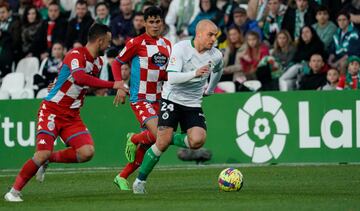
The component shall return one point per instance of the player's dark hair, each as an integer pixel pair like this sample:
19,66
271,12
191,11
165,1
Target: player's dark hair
97,30
153,11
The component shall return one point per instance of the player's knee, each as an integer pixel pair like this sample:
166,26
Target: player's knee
85,153
41,156
196,140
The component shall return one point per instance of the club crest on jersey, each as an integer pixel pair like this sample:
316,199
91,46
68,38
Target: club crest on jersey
159,59
151,111
172,60
165,116
123,51
74,64
51,126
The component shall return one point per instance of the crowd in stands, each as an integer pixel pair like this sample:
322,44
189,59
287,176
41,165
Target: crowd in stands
282,44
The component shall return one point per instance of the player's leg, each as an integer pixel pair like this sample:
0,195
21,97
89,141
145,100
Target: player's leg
152,157
146,114
168,121
44,146
121,179
75,135
193,122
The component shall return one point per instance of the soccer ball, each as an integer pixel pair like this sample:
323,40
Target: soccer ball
230,179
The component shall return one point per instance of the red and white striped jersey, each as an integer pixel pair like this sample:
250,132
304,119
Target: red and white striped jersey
66,93
148,58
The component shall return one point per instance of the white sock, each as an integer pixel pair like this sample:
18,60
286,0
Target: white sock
156,150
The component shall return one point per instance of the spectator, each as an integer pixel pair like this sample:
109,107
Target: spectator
351,79
145,5
121,25
138,25
50,69
273,20
314,74
309,44
284,49
31,24
208,10
6,54
228,10
181,13
334,6
11,24
296,18
353,7
22,6
345,42
102,12
254,51
332,78
271,67
114,6
323,27
52,30
91,8
232,67
245,24
78,27
164,6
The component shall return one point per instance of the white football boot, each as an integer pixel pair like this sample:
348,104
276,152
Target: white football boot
13,196
139,186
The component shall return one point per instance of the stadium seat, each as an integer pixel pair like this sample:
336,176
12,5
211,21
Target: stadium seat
227,86
13,86
253,85
42,65
29,66
42,93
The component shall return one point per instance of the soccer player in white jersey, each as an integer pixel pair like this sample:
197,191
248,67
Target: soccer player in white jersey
191,63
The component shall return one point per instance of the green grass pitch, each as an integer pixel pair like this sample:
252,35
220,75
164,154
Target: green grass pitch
309,187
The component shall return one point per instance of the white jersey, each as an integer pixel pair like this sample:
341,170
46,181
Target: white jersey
185,58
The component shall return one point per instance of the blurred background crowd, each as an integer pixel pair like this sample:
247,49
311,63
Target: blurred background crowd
267,44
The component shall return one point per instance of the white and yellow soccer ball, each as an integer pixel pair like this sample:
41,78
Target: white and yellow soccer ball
230,179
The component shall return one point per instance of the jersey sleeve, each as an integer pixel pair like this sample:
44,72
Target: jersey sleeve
75,61
176,59
128,52
219,66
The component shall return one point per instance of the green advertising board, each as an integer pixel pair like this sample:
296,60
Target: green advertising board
266,127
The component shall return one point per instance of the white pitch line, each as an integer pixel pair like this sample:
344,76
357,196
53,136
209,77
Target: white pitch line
13,172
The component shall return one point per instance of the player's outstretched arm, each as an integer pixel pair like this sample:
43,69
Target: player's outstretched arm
182,77
83,79
116,70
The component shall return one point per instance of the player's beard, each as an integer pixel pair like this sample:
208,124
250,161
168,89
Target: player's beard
101,52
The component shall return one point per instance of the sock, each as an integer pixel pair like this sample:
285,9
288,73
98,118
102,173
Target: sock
180,140
145,137
151,158
131,167
28,170
64,156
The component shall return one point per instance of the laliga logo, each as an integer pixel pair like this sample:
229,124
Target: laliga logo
262,127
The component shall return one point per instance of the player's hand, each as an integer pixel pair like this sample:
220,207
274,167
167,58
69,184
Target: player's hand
119,97
202,71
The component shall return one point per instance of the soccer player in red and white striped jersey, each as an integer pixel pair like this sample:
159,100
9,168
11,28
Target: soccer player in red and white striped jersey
59,113
148,55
